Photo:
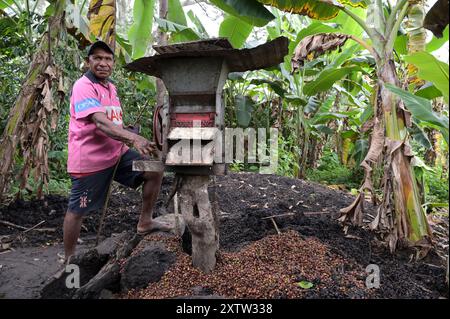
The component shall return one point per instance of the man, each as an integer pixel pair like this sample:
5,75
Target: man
97,141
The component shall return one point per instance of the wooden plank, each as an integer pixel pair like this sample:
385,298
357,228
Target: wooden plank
207,156
201,45
220,107
208,153
148,166
190,170
215,169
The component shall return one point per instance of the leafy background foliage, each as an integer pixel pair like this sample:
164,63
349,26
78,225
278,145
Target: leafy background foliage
323,111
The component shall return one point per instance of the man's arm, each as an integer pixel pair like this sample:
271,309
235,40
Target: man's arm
141,144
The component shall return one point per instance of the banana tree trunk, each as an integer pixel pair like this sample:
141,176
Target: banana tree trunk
303,163
303,139
431,154
346,144
410,222
400,218
416,43
416,35
102,21
31,89
434,153
314,153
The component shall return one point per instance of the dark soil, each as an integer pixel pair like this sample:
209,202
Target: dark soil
244,200
122,214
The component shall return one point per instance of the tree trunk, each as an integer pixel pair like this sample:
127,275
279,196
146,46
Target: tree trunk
431,154
416,36
200,215
304,156
313,153
32,87
410,223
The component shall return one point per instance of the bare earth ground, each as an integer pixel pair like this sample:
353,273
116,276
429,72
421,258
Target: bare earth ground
254,261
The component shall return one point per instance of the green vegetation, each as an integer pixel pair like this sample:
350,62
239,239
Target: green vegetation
330,171
363,112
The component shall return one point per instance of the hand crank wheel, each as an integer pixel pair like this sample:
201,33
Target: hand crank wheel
158,127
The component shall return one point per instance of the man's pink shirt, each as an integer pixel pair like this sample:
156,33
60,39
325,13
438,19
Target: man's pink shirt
90,149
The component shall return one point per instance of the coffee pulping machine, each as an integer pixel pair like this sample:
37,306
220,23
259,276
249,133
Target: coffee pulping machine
189,128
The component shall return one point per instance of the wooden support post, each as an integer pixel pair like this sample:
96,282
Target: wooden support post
202,220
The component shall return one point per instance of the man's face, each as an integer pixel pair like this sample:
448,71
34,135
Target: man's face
101,63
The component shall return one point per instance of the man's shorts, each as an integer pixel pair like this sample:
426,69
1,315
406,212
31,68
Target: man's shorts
88,193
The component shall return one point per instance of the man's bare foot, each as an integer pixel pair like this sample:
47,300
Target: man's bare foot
153,226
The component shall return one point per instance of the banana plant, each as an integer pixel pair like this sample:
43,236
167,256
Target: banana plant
140,33
177,26
316,79
238,100
249,11
416,36
414,41
175,22
198,26
178,32
37,95
236,30
408,224
102,21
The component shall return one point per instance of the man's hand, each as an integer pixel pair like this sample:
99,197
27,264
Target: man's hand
141,144
144,146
